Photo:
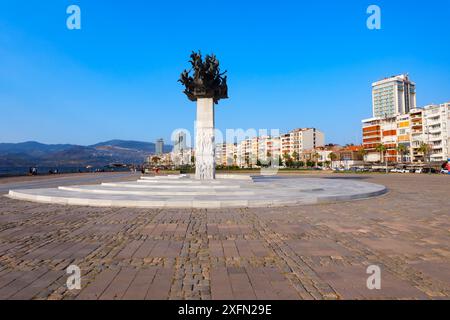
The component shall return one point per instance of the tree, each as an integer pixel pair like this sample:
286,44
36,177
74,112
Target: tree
381,148
402,149
295,156
235,159
424,149
362,152
155,159
333,156
288,162
247,161
286,158
315,157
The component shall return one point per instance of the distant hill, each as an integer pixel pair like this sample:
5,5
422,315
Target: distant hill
38,154
134,145
32,148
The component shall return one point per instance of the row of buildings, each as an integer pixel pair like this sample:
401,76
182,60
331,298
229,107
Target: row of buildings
250,152
299,147
408,133
265,150
398,132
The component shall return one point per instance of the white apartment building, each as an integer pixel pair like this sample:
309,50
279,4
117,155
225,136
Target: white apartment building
403,136
436,130
240,153
416,117
285,144
226,154
268,149
299,140
428,125
393,96
244,152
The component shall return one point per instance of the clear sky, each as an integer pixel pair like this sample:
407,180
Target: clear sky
290,63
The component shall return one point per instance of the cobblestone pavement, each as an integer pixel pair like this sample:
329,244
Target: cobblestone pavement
308,252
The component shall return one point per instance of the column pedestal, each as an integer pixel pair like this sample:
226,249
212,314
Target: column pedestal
205,164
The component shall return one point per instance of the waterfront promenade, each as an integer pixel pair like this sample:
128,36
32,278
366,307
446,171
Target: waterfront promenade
305,252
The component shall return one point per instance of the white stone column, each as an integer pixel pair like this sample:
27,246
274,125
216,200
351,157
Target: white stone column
205,164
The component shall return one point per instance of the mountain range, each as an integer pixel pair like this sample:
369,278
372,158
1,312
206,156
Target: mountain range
67,155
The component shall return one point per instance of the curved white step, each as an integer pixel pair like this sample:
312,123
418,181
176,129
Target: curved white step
128,191
260,193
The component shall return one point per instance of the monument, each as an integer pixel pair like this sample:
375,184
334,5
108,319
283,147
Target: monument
206,86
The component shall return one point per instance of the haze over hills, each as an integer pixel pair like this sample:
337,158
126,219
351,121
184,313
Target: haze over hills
59,155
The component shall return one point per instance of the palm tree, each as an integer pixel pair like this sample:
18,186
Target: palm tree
155,159
315,157
333,156
381,148
425,150
287,159
362,152
402,149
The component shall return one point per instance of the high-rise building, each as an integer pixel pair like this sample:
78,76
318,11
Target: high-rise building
159,147
393,96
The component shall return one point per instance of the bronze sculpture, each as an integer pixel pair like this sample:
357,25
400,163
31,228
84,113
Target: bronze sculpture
207,81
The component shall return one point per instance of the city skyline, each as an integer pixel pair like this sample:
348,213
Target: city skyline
64,87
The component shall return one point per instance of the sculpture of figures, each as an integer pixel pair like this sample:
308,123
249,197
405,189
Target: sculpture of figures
207,81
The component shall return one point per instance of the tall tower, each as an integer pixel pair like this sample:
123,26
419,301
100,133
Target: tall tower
159,146
393,96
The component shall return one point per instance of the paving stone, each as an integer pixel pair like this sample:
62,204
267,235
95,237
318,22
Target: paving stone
296,252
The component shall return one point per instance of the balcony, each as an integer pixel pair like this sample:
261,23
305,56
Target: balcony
434,131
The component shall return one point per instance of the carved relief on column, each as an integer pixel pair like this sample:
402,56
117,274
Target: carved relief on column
205,140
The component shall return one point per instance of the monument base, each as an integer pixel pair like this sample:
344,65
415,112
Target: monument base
205,165
228,191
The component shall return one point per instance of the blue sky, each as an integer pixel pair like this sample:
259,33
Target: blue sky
290,64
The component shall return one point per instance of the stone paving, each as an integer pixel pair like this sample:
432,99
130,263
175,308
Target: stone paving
308,252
